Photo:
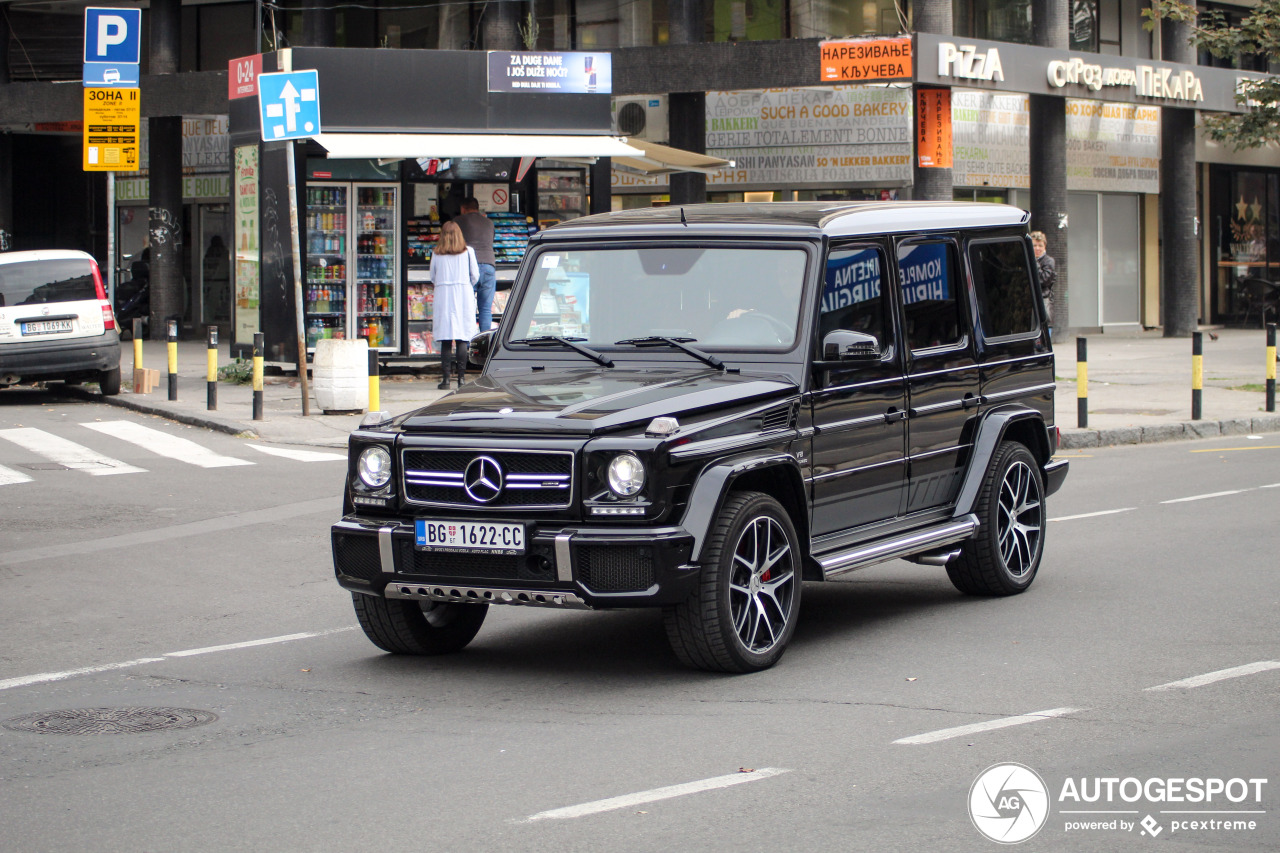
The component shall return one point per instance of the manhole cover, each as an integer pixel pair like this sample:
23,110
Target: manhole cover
109,721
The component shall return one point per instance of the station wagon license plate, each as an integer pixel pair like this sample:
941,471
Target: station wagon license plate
46,327
472,537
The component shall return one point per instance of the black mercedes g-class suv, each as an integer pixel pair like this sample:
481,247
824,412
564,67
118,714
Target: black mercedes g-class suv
698,408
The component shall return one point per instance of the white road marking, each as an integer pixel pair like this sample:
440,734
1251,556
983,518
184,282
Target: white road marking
68,453
974,728
25,680
286,638
300,455
1220,675
628,800
164,444
9,477
44,677
1203,497
1093,514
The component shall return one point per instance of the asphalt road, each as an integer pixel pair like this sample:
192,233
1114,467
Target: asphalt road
155,588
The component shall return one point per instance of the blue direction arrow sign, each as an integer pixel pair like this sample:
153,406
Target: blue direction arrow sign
289,103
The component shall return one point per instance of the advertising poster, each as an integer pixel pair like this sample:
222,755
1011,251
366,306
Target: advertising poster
851,279
924,274
566,73
933,128
1110,147
245,234
820,137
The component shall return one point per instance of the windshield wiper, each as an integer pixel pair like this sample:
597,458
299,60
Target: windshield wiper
571,343
681,344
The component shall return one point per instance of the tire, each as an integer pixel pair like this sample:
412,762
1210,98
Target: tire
1004,556
750,584
109,382
418,628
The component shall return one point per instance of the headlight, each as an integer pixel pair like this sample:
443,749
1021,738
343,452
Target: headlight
374,467
626,475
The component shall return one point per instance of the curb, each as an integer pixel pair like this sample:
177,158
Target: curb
150,409
1074,439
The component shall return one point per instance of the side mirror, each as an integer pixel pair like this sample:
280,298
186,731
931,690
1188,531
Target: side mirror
851,347
478,351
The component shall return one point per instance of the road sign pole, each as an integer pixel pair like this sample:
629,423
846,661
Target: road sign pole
295,239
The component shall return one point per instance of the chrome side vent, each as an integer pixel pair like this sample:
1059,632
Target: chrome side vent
777,418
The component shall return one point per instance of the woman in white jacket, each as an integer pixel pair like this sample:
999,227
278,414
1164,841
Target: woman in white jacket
454,273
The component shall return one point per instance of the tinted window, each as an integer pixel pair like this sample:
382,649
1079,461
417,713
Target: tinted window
851,293
730,297
931,306
40,282
1002,279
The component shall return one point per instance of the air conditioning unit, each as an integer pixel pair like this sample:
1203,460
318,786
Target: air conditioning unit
641,117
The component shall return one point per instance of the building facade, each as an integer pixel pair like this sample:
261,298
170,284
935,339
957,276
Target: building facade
739,80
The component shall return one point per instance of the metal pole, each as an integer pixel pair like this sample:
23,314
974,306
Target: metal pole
297,278
111,239
375,384
1271,367
213,369
259,348
1197,373
1082,382
173,359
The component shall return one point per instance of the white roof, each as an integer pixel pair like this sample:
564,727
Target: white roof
443,146
43,255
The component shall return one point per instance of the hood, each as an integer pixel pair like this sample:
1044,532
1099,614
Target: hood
587,400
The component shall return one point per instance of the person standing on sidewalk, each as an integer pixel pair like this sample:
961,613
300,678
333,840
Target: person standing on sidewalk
454,273
1047,269
478,231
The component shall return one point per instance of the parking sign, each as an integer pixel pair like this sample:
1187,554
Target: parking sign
289,103
113,35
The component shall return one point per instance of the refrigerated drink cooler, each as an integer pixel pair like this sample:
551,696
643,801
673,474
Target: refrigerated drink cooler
352,278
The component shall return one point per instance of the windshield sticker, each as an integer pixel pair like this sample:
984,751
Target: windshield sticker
550,261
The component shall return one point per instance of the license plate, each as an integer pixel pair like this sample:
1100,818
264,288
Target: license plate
45,327
472,537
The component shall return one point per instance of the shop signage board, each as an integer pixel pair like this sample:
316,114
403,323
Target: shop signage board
111,119
1110,147
818,136
933,128
112,47
866,60
242,76
209,187
574,72
206,146
289,104
1007,67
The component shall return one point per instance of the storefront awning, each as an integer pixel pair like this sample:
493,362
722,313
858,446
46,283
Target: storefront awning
664,160
444,146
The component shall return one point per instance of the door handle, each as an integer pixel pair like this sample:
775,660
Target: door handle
970,400
894,415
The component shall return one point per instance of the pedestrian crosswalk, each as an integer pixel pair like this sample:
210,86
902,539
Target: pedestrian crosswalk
61,452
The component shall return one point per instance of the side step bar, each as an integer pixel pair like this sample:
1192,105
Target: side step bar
883,550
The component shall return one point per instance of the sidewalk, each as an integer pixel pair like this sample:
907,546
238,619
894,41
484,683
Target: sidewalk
1139,392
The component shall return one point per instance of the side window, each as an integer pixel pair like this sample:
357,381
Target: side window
1002,280
930,294
852,297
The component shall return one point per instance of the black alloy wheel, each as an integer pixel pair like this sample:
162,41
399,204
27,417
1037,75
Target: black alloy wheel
1004,555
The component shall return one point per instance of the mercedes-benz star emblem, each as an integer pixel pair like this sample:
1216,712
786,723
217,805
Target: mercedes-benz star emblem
483,479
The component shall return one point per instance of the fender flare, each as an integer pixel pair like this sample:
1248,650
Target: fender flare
716,481
991,430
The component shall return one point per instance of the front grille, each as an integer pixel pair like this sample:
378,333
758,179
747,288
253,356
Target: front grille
535,565
357,556
540,480
611,568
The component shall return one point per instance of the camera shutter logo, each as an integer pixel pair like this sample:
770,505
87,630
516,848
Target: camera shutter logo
1009,803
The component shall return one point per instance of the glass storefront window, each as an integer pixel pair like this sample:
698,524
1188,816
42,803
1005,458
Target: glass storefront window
841,18
1246,230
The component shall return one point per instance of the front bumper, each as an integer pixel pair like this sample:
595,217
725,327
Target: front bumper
35,360
578,566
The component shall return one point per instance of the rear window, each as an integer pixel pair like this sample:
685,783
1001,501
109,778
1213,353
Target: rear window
42,282
1002,277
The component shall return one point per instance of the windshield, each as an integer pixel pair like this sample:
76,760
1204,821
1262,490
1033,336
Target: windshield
720,297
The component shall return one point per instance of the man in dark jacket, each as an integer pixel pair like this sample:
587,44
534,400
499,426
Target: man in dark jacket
1047,270
477,230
